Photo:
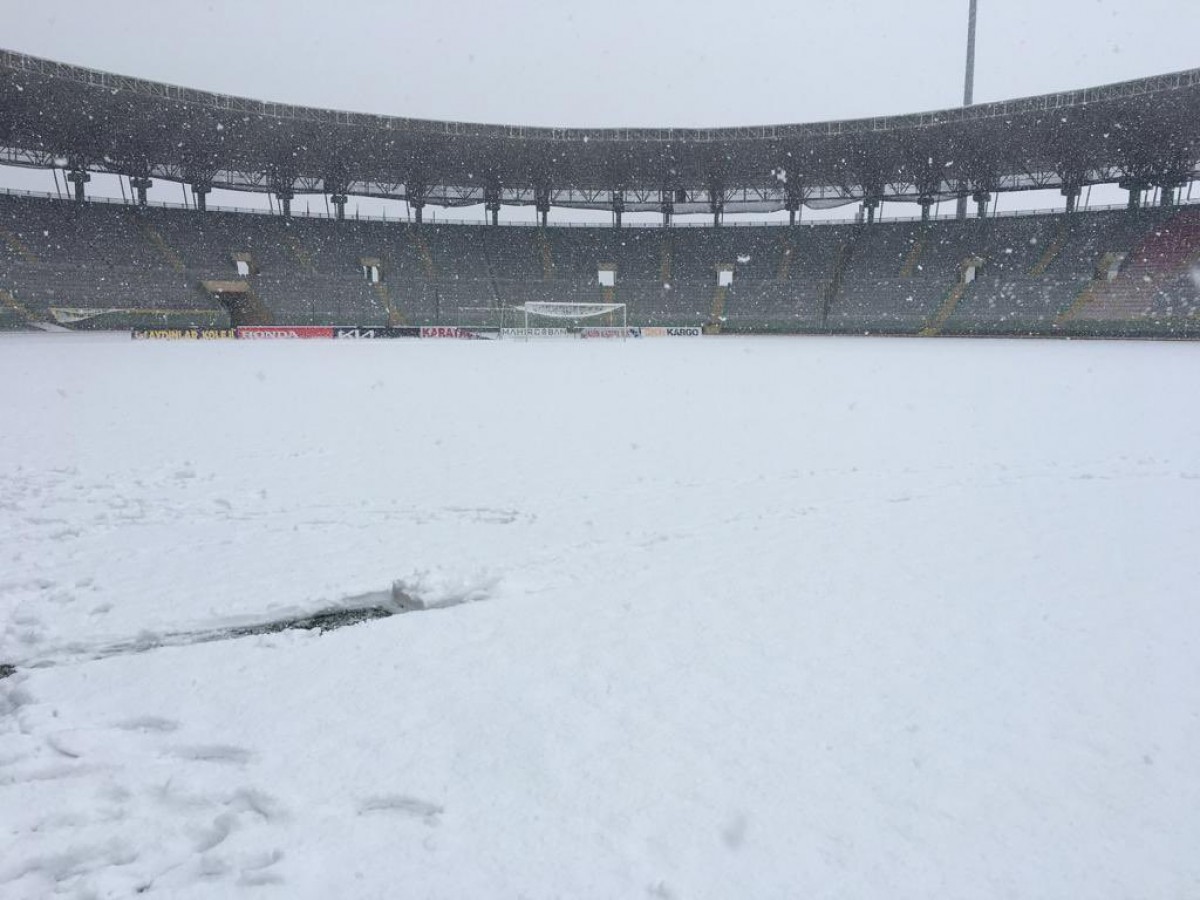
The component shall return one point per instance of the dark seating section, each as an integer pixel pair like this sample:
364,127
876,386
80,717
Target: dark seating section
1091,272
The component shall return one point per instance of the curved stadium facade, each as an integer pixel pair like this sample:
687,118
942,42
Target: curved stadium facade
1124,272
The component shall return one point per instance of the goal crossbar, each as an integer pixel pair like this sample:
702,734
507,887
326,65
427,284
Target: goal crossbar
571,311
568,310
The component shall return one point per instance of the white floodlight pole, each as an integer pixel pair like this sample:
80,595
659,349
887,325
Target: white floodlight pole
969,81
968,86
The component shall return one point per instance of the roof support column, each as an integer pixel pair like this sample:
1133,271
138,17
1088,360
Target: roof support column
925,203
981,199
618,207
541,200
78,177
1168,188
140,184
960,205
335,187
870,204
716,203
1135,188
667,207
1071,191
792,204
200,192
414,196
491,203
282,184
793,196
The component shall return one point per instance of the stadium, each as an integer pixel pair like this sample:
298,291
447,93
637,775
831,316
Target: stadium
742,604
1075,271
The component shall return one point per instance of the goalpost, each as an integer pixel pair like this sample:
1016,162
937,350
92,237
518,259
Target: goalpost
565,313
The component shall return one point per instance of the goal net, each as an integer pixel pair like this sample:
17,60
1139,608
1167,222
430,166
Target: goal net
545,319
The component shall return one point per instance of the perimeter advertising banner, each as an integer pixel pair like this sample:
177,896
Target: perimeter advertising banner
371,332
284,332
644,331
367,333
182,334
535,332
603,331
455,331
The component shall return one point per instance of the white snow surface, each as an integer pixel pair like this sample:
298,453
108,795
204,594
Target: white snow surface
820,618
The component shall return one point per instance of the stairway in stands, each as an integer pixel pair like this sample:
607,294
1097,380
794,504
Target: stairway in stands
173,259
301,255
423,251
720,292
949,304
786,253
547,257
844,253
395,317
17,247
1081,301
1052,249
12,310
914,255
1164,252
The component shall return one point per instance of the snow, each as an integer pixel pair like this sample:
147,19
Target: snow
694,619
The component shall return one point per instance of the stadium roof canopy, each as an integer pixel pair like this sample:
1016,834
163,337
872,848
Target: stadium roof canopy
1138,133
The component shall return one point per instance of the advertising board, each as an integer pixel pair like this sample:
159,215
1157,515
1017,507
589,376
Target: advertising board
182,334
283,332
533,332
653,331
604,331
455,331
372,332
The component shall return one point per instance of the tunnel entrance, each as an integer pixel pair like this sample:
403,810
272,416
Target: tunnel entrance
238,299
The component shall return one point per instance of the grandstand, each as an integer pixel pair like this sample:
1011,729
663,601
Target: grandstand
111,265
87,262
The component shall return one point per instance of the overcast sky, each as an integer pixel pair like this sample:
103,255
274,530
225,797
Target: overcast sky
616,62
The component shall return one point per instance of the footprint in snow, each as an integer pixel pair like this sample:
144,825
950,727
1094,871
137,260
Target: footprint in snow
217,753
400,803
148,723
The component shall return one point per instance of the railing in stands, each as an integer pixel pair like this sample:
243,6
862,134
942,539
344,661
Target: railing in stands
400,220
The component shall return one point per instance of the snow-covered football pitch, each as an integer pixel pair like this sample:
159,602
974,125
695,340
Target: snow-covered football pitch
712,618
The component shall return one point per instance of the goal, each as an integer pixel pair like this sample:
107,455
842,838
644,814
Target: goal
591,319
